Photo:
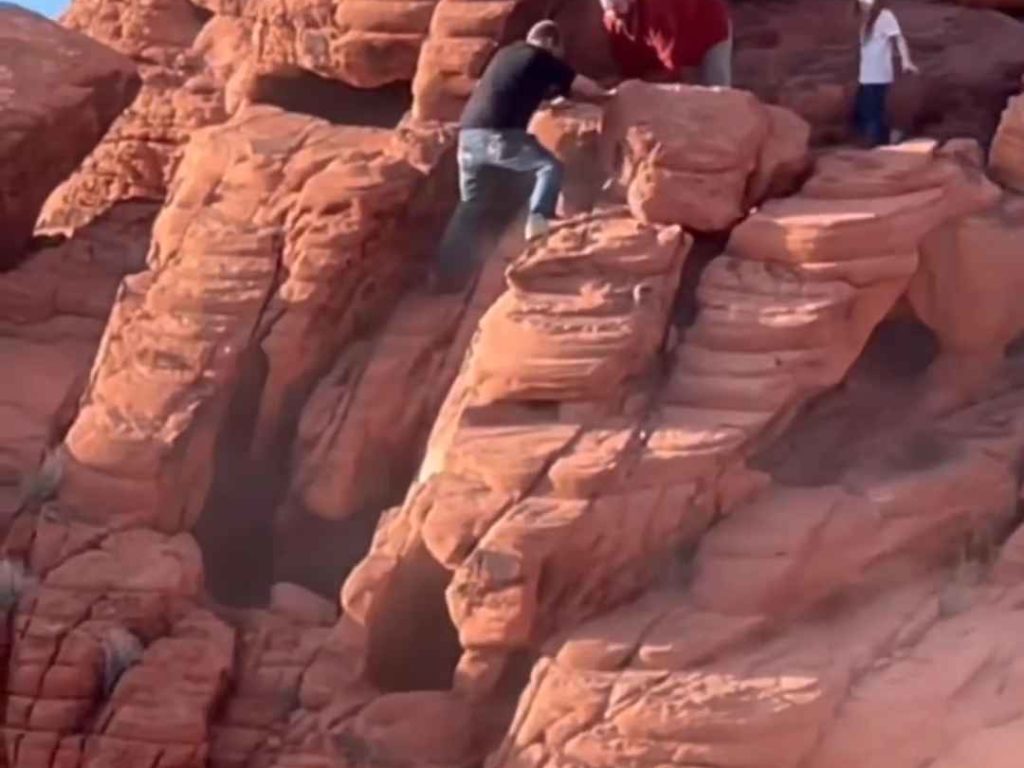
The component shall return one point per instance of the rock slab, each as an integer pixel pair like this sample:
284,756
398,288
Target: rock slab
59,92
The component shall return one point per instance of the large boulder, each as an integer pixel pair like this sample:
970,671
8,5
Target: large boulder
59,92
967,291
700,157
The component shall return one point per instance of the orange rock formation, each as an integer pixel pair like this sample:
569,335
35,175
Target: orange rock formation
724,471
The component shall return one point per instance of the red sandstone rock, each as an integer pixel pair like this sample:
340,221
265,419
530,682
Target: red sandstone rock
180,93
697,673
59,92
366,43
1007,157
572,131
700,157
972,263
52,312
184,328
585,442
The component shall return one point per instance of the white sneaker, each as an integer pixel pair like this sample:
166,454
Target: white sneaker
536,226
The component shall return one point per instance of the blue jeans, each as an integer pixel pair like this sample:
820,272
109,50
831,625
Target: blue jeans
872,114
514,151
468,237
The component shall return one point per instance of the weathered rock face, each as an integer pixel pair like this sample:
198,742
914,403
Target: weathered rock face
696,482
52,312
975,263
1007,158
284,238
59,92
700,157
583,316
365,43
572,132
182,90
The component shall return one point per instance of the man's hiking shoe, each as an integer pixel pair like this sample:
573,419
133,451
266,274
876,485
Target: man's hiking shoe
536,226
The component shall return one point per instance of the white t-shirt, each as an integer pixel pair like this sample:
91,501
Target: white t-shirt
876,50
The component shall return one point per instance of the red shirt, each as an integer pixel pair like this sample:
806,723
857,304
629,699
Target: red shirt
666,34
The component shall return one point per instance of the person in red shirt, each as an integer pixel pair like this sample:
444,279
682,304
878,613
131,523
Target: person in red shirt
658,39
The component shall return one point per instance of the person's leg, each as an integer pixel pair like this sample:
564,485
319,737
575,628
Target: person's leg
458,255
860,113
870,115
520,151
875,129
884,129
716,67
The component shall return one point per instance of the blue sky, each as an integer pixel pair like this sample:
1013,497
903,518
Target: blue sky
52,8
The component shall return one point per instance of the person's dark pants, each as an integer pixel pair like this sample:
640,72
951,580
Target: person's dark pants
872,114
464,244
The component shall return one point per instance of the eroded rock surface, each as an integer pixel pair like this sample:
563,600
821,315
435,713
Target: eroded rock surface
698,484
59,92
180,93
53,309
1007,157
700,157
284,239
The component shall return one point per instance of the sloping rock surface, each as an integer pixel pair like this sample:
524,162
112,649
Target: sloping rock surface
59,92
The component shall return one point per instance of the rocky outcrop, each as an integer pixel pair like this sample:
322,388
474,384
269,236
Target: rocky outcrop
572,132
180,93
825,576
582,318
818,622
59,92
565,469
111,660
1007,157
696,482
53,309
462,37
365,43
285,239
973,262
699,157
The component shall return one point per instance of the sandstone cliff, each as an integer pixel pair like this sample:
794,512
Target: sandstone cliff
724,471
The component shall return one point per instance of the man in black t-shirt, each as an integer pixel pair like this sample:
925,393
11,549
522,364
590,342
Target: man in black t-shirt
492,132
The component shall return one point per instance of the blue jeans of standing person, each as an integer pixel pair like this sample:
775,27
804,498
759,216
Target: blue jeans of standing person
462,247
872,113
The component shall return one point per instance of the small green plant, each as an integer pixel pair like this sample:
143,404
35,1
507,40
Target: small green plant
121,649
14,582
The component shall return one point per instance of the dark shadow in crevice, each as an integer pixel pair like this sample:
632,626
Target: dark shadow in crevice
704,250
305,93
236,527
202,15
319,554
413,645
861,419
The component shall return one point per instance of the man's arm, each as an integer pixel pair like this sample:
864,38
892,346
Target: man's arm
588,90
891,29
904,51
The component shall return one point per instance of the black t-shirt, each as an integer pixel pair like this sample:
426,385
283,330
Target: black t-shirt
514,84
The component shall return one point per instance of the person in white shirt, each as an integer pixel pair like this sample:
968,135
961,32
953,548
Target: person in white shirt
880,36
